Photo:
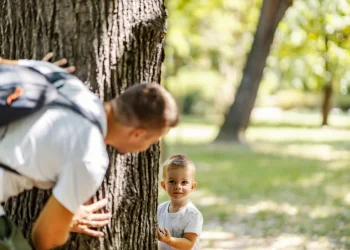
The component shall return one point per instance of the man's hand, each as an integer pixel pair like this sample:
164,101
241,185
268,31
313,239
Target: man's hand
164,236
88,217
61,63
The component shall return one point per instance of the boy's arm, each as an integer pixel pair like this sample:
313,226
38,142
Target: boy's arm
187,242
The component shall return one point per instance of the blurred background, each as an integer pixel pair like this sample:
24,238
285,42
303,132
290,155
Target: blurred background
272,152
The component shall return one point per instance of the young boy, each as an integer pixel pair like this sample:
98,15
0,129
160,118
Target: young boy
180,222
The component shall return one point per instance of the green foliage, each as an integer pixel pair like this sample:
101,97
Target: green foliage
196,90
296,99
312,45
205,50
207,43
343,102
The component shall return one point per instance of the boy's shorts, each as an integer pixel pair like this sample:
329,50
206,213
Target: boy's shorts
11,237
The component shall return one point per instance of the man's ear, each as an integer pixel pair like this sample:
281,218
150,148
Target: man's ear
138,133
194,185
162,183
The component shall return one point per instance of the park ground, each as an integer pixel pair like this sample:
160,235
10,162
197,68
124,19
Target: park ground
287,188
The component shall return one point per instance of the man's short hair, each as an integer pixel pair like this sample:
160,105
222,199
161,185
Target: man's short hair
148,106
178,161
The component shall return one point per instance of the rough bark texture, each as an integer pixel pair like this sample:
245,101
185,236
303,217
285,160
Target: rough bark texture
237,118
113,44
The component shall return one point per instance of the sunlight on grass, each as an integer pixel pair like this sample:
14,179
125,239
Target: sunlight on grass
314,180
188,133
323,212
267,206
275,116
290,134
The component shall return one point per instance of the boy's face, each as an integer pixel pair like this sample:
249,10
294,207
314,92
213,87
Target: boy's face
179,182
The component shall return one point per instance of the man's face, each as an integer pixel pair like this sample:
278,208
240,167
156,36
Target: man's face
138,140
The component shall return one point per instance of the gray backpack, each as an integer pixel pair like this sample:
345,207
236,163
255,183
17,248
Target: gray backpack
25,90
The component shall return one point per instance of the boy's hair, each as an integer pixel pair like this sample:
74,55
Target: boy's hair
178,161
148,106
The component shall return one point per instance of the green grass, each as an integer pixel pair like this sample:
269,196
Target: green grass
287,180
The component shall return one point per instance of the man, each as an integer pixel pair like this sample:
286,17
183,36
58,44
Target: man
57,148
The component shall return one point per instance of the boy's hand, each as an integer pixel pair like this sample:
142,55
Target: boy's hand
164,236
88,217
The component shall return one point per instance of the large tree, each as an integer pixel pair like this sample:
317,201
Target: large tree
237,118
113,44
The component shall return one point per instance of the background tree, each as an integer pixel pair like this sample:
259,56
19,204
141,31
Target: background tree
204,48
113,44
237,118
311,53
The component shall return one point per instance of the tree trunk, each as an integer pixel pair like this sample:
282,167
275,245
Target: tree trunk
328,88
237,118
113,44
327,101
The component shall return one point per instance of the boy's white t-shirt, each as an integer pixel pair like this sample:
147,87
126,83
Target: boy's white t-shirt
58,148
188,220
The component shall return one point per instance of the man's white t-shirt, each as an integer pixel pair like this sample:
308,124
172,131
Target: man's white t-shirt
188,220
58,148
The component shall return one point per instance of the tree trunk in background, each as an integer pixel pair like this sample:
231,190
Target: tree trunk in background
237,118
327,101
328,88
113,44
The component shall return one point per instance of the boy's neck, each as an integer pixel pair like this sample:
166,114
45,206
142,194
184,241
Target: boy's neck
177,205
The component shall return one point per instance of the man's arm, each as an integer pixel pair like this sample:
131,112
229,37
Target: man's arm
51,229
61,62
187,242
8,62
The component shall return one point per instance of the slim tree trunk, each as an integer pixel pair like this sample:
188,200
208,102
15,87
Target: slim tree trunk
327,101
237,118
328,87
113,44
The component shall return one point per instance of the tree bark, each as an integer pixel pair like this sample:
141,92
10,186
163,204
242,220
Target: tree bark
328,88
237,118
113,44
327,101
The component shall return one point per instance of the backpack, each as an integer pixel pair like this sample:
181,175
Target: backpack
26,89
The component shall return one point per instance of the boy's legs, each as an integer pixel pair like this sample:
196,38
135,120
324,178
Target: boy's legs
11,237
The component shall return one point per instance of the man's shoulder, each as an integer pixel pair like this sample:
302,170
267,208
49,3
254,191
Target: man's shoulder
75,136
70,121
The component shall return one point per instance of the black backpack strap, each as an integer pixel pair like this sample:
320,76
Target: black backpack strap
56,78
7,168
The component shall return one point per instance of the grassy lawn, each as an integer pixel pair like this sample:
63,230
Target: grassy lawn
289,188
